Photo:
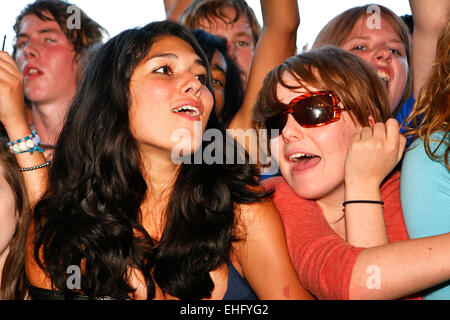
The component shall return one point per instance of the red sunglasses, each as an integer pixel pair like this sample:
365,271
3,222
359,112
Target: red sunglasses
312,109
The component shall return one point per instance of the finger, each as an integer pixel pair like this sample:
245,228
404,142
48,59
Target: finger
8,62
354,140
392,126
9,70
392,131
8,76
379,130
357,135
4,73
366,133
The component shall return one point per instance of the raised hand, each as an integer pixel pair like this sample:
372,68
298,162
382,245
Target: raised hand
373,153
12,102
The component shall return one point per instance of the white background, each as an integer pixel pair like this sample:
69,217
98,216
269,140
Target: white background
116,15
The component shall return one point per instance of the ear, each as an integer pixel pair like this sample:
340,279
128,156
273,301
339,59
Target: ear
371,121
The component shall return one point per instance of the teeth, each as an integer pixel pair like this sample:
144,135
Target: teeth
195,110
383,76
296,156
32,71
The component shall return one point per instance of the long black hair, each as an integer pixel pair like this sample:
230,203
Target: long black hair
234,89
90,214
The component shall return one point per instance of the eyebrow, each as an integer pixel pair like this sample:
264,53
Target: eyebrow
164,55
216,66
41,32
368,38
243,33
174,57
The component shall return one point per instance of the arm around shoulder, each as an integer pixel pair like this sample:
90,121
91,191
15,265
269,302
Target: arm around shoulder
263,254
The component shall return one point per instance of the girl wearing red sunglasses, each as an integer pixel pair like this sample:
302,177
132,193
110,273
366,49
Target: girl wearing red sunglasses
325,111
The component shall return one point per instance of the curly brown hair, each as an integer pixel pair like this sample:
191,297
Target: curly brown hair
432,110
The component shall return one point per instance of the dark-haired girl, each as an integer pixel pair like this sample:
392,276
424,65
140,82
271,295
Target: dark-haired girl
134,222
228,88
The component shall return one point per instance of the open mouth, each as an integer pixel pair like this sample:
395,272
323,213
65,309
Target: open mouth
297,157
189,110
302,161
384,77
32,71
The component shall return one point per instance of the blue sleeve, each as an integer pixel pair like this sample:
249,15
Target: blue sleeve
425,198
403,113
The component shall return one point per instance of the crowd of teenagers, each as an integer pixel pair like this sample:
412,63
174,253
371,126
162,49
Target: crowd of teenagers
207,157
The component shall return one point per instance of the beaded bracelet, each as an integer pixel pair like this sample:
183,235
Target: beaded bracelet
29,144
46,164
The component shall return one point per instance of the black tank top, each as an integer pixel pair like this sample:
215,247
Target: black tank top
238,288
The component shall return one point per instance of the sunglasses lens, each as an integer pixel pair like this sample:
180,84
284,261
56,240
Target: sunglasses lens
275,124
314,110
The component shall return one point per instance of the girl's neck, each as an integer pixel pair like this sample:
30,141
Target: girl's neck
159,170
333,211
160,174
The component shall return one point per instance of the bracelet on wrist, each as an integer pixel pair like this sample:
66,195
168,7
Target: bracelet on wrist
362,201
29,144
46,164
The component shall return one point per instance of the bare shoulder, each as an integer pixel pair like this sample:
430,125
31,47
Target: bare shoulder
263,255
35,275
258,208
259,219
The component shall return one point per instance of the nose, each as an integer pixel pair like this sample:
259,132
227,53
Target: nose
231,51
192,85
383,54
30,50
292,130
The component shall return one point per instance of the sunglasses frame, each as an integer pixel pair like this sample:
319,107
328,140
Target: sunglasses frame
289,108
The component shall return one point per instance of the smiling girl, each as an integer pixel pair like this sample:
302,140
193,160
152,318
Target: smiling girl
379,36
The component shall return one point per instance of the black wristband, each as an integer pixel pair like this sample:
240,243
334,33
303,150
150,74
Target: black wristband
362,201
46,164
